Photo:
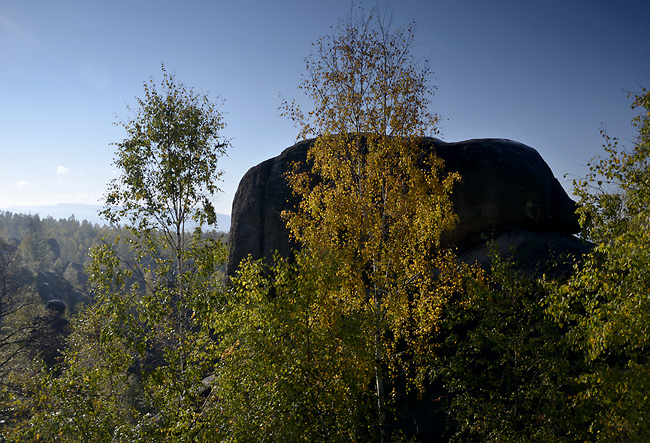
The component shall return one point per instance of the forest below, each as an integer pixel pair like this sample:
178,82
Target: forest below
49,255
371,330
42,270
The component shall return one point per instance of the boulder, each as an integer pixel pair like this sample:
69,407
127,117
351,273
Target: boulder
507,191
54,286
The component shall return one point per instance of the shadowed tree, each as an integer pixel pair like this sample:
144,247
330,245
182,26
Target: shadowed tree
15,299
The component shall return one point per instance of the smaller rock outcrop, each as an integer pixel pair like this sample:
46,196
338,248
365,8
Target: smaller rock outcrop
47,337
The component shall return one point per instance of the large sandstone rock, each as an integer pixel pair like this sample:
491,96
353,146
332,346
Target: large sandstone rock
507,192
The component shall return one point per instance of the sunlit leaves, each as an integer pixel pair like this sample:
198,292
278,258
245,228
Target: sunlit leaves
291,365
373,205
363,78
606,302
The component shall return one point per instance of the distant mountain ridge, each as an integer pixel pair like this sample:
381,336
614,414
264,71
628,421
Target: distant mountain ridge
86,212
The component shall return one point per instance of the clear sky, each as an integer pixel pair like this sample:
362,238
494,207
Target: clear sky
545,73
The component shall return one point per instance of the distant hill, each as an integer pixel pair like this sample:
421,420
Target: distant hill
86,212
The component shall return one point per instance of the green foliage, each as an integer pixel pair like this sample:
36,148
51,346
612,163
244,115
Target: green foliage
291,367
324,346
505,364
528,360
168,160
138,353
19,308
606,301
169,175
298,362
83,404
74,238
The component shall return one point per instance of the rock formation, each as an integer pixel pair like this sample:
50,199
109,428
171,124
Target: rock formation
507,194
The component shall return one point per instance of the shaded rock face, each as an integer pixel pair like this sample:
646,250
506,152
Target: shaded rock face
53,286
507,192
47,337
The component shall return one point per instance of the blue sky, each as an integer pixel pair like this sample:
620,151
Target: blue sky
544,73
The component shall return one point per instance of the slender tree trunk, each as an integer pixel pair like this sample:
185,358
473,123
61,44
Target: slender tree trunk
181,292
379,376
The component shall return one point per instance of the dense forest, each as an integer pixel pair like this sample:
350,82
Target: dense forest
51,254
44,281
371,331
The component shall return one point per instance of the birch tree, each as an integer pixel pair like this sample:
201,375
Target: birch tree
138,353
373,201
